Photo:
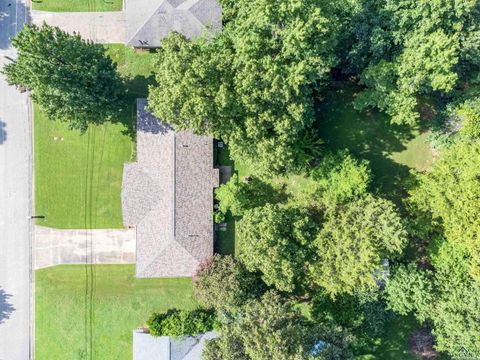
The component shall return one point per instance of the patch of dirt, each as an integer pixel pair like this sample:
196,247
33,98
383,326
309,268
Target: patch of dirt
421,344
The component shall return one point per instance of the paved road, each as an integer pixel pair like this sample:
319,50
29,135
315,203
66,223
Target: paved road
15,196
98,246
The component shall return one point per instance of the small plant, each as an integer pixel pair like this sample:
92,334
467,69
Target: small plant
182,322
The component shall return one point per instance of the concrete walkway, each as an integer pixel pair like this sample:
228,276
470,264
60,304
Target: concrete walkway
56,247
100,27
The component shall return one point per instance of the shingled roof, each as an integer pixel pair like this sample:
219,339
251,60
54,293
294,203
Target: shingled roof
168,196
149,21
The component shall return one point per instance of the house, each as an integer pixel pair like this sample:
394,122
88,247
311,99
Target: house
141,23
148,347
149,21
167,196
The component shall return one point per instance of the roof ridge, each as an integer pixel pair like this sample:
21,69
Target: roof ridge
148,19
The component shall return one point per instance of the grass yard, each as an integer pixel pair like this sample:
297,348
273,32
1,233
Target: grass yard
78,178
77,5
393,345
391,149
135,66
89,312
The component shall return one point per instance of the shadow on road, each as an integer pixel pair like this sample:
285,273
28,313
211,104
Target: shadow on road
3,133
13,14
6,309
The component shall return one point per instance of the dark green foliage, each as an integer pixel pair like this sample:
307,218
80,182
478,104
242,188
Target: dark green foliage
223,283
410,289
271,328
239,196
354,240
276,241
253,84
363,313
70,79
181,322
408,48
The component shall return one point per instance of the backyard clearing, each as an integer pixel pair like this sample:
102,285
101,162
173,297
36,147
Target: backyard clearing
90,311
77,5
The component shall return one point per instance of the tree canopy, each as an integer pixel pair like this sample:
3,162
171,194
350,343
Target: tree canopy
223,283
270,328
352,243
71,79
450,193
275,241
252,85
409,48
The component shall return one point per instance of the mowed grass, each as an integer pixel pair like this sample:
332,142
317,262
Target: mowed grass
89,312
78,177
77,5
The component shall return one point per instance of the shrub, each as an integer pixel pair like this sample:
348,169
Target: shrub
182,322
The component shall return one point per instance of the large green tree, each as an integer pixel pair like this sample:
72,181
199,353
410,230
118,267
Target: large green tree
409,48
448,298
70,79
450,194
271,329
354,240
252,85
223,283
276,241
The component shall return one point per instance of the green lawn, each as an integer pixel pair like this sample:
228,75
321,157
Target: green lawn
391,149
77,5
393,345
89,312
78,177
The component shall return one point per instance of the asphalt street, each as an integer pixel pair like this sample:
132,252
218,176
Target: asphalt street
15,199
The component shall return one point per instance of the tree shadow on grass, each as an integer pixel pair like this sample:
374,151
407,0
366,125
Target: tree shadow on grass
136,87
367,135
6,309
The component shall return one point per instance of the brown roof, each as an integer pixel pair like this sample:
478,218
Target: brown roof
168,196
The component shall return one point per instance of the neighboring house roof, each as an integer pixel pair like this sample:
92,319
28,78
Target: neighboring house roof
148,347
149,21
168,196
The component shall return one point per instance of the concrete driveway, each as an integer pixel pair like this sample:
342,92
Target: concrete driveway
99,246
15,199
100,27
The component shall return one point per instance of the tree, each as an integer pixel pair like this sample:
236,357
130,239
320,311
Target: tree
252,85
410,48
70,79
275,241
272,329
449,193
353,241
410,289
181,322
223,283
340,178
239,196
448,297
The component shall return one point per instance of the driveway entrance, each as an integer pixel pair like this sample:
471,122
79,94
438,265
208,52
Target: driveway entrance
104,246
100,27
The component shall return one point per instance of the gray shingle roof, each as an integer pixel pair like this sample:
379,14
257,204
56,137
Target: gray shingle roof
149,21
168,196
